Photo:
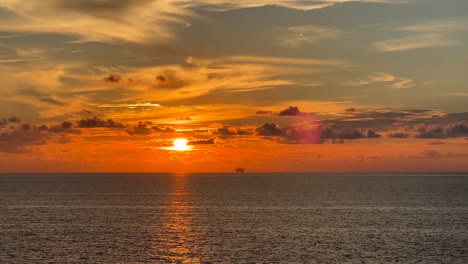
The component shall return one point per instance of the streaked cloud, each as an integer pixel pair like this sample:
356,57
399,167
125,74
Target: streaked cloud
293,37
441,25
436,33
132,20
382,77
415,42
105,21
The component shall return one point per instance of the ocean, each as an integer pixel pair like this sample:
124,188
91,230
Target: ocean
234,218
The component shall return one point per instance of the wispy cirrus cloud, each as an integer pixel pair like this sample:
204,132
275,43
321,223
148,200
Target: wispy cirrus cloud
129,20
200,76
414,42
436,33
392,81
293,37
104,21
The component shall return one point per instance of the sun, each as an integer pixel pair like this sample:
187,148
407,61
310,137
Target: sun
180,144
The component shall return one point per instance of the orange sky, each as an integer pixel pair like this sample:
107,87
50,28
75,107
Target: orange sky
272,85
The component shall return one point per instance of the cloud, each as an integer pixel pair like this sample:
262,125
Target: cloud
86,112
403,83
203,76
50,99
414,42
291,111
440,25
114,21
42,97
26,127
287,61
435,33
14,119
304,133
103,20
97,122
439,132
112,79
382,77
226,5
293,37
372,134
231,131
64,127
399,135
20,141
141,129
434,154
209,141
264,112
270,129
166,129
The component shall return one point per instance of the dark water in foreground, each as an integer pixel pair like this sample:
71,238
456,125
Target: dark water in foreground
226,218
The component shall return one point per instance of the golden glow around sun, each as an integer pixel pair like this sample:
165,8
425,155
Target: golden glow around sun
181,144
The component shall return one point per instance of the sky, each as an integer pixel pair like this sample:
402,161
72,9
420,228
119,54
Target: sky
317,85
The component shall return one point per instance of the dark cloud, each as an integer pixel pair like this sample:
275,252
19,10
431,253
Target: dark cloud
51,100
184,118
43,128
382,120
14,119
372,134
399,135
163,130
459,129
141,129
209,141
350,110
351,134
112,79
170,80
162,79
97,122
67,125
224,131
436,132
262,112
291,111
43,97
20,141
86,112
231,131
330,133
64,127
304,134
270,129
440,132
26,127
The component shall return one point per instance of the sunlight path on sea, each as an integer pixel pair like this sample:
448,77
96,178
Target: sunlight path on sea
179,238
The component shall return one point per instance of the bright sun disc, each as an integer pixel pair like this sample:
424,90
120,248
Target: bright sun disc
180,144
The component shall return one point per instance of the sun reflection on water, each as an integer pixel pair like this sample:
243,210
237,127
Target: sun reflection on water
180,240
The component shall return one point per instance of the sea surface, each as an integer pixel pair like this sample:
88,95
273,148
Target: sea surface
234,218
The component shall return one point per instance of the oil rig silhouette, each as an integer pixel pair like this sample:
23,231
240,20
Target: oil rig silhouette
239,169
